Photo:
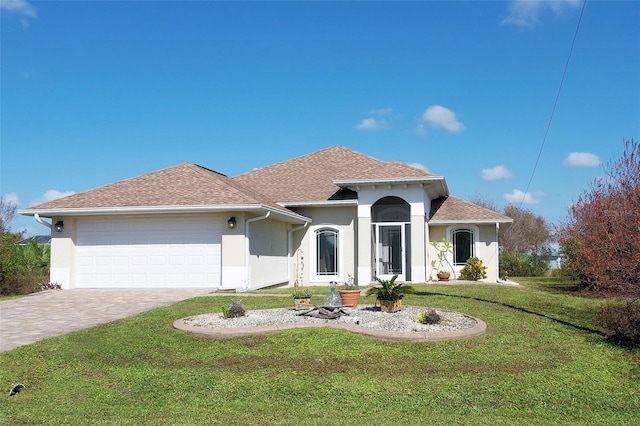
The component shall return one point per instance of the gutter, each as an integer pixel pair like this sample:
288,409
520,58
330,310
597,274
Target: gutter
290,216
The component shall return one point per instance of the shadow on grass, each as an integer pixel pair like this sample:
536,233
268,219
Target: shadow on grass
517,308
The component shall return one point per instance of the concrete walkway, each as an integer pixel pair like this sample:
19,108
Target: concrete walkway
52,313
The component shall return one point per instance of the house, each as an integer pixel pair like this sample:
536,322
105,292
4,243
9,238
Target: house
326,216
39,239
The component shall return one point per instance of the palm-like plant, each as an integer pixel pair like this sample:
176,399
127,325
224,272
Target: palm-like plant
389,289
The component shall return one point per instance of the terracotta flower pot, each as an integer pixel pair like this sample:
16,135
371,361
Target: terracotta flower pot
444,276
350,297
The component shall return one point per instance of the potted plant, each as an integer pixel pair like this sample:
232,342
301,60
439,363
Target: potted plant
443,247
350,293
301,299
390,293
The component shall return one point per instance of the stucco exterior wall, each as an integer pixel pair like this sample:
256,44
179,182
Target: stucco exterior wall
485,247
233,253
63,254
419,203
267,253
341,219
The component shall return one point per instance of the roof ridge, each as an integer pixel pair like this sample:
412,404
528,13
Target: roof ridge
309,154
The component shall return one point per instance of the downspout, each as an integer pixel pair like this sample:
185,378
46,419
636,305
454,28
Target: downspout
290,245
246,245
38,219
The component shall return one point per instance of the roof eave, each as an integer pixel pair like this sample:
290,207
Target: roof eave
440,190
469,221
135,210
325,203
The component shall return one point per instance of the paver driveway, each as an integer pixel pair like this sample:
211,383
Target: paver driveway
56,312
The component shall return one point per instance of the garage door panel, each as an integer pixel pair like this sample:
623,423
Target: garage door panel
148,253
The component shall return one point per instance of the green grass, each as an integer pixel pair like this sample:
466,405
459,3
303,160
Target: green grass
543,361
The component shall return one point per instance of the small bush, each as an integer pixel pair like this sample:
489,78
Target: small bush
429,316
621,322
235,310
473,270
21,283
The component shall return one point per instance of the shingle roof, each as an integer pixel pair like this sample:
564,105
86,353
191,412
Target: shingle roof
310,177
455,209
182,185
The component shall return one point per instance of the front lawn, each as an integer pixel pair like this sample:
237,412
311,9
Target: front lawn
543,361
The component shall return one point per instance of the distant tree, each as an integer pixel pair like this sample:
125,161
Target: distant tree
487,203
7,213
525,245
600,239
529,234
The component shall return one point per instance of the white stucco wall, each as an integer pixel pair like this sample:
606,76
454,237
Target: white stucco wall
63,254
419,204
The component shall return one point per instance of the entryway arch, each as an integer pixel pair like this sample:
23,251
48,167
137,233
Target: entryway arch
391,224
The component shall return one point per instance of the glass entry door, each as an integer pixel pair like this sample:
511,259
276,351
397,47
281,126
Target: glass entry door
390,258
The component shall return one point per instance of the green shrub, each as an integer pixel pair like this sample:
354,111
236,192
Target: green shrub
235,310
621,321
473,270
514,264
22,267
429,316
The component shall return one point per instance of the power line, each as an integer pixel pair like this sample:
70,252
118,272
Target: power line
555,103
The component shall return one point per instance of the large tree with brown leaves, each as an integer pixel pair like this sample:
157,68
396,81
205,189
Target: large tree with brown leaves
600,238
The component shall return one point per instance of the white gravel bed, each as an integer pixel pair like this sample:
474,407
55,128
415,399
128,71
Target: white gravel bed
364,316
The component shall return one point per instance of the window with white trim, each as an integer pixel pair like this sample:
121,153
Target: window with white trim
326,252
463,247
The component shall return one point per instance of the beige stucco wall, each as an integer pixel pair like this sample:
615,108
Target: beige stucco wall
486,248
268,263
233,253
340,218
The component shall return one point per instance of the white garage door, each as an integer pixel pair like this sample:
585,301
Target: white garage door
148,253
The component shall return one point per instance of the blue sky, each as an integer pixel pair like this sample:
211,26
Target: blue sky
96,92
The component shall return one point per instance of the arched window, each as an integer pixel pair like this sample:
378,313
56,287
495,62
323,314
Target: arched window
462,246
326,251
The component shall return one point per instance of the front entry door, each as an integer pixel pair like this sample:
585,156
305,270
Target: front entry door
390,259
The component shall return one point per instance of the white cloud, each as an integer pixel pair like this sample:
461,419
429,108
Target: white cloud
372,124
439,116
526,13
420,130
11,198
21,7
419,166
516,197
496,173
50,195
581,159
382,111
